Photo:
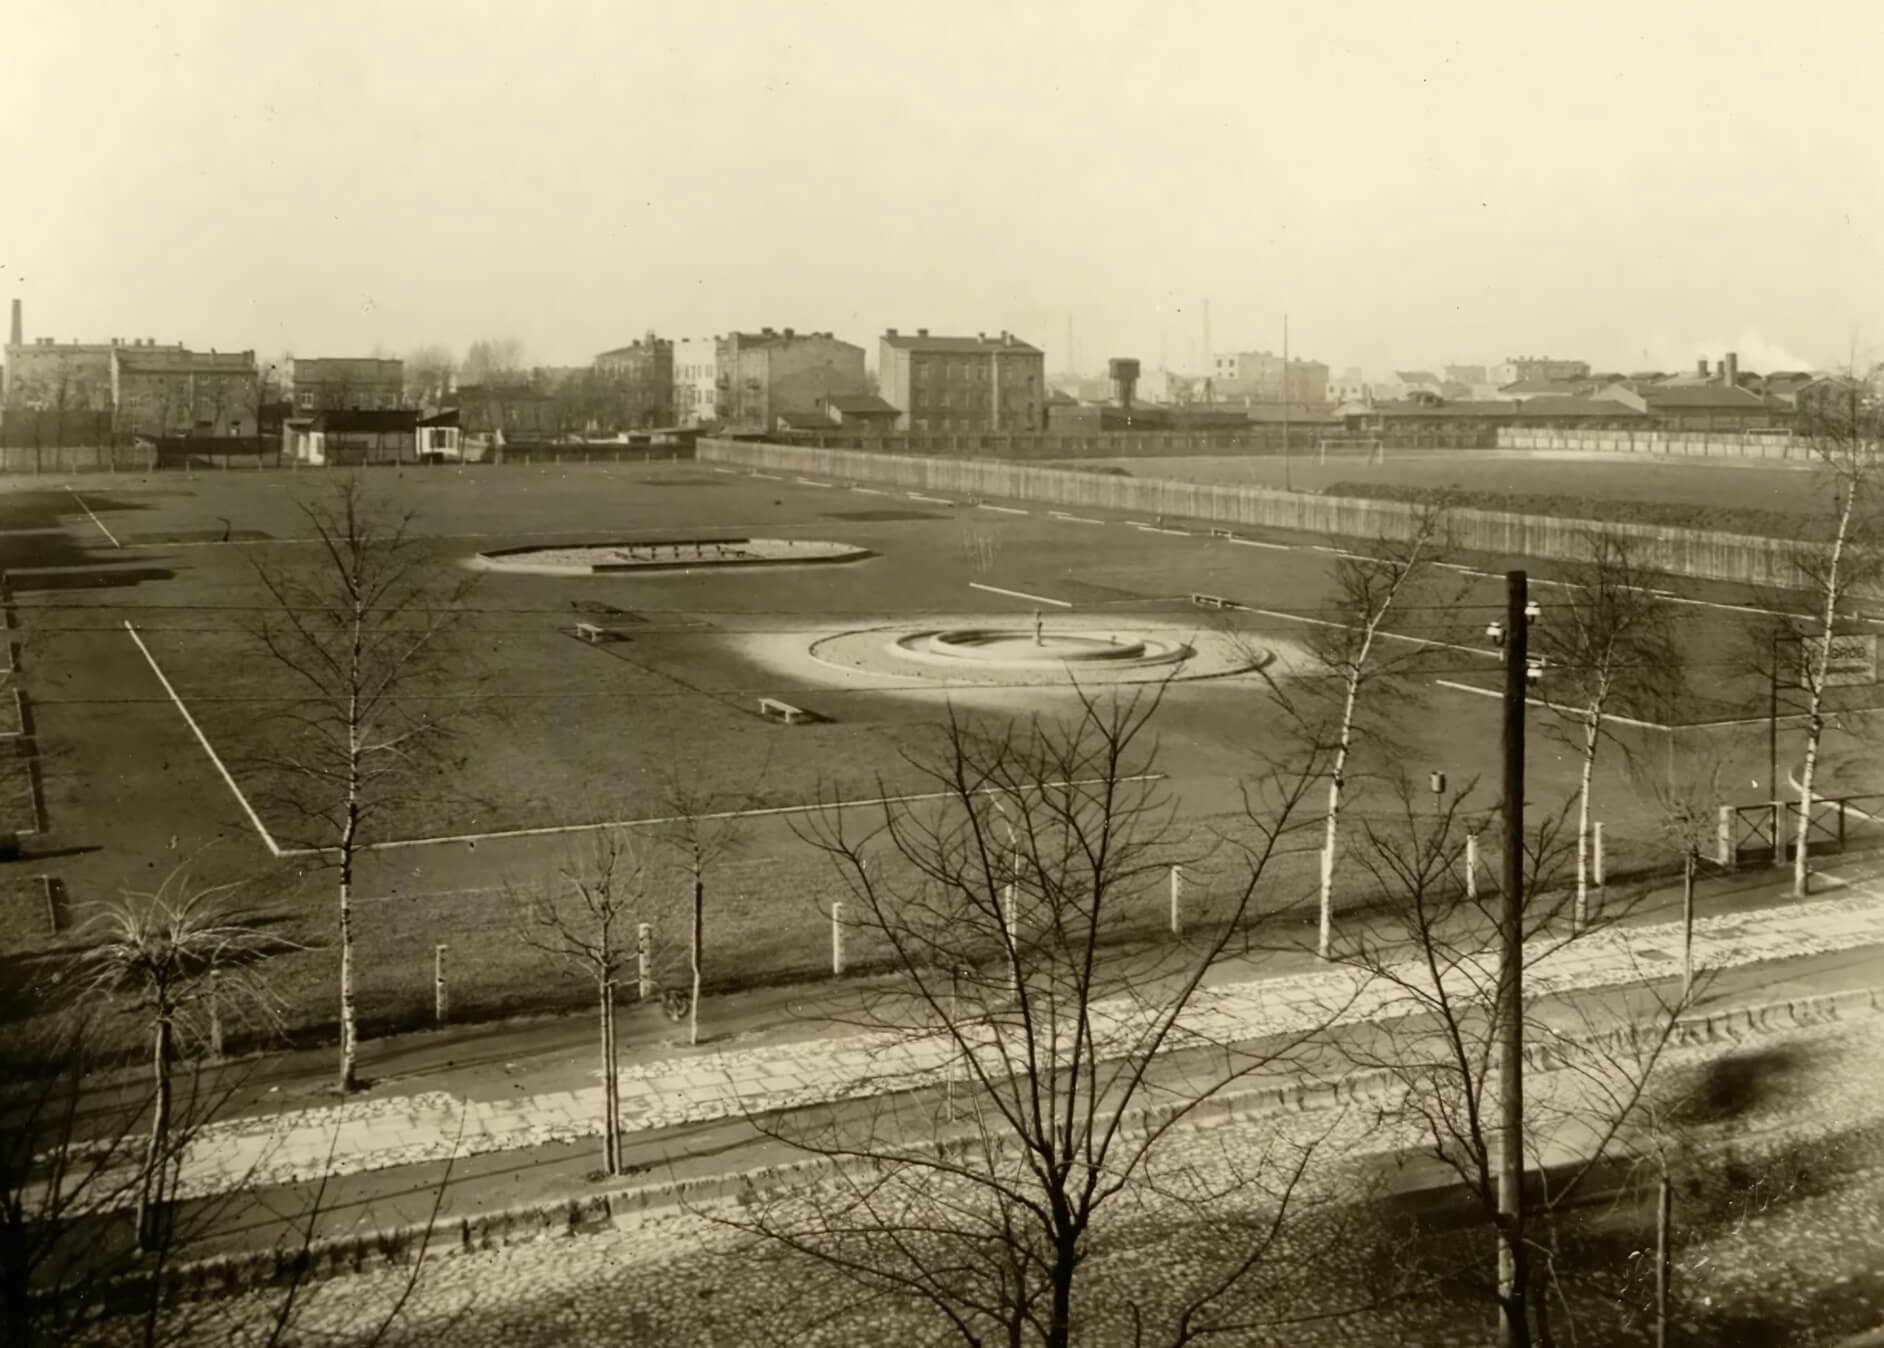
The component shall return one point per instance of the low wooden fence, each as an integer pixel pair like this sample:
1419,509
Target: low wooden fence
1680,552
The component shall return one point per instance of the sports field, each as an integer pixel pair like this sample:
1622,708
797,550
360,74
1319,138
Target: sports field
146,742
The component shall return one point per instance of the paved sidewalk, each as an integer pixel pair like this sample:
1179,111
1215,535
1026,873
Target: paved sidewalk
371,1134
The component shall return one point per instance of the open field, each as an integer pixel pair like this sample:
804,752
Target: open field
1752,485
565,733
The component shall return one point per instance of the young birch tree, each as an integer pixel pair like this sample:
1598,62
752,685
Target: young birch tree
586,917
1066,1040
1607,646
358,623
1373,588
1441,982
1844,434
703,829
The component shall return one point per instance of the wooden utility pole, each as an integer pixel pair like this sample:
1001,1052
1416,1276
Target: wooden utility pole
1513,1310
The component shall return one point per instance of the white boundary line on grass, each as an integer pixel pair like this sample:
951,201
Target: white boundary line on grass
760,812
1258,543
261,829
95,520
1548,706
872,491
1005,510
932,500
1020,594
1072,519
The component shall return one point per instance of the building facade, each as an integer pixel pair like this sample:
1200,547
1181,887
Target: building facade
163,391
760,375
638,382
338,383
696,381
966,384
1259,376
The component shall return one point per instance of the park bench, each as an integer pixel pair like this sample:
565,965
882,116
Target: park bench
590,632
771,707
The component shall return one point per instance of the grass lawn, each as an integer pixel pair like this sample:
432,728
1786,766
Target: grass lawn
564,732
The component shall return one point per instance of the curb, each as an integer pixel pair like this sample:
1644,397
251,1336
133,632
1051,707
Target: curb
231,1274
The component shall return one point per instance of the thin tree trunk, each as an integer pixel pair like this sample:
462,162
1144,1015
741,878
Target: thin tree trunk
1325,940
611,1099
1664,1254
349,1076
153,1189
1815,724
1687,923
1592,731
696,955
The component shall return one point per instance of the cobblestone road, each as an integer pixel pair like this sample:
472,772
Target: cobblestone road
682,1279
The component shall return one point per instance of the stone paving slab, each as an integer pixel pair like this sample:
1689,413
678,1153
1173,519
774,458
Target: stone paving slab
366,1134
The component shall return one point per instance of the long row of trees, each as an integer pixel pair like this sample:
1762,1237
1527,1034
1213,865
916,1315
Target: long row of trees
1012,910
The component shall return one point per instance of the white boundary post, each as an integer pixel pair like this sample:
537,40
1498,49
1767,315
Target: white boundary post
441,1006
1471,865
837,939
1724,837
1598,868
1177,889
644,960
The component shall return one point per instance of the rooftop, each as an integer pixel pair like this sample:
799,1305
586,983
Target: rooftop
860,403
920,340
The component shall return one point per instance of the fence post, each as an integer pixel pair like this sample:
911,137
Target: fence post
1177,888
837,939
1724,837
441,1005
644,939
1779,832
1597,857
1471,865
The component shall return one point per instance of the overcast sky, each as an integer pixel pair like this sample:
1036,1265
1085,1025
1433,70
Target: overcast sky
1412,183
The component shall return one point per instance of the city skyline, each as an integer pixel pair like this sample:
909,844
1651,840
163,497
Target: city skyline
1408,186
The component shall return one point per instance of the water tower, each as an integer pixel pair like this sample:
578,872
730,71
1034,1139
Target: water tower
1124,373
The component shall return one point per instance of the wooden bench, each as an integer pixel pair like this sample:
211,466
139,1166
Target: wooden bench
590,632
785,711
1213,601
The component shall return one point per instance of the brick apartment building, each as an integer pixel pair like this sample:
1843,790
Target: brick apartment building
762,375
963,384
336,383
639,383
160,391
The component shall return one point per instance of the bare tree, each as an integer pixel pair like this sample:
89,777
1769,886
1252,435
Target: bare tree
178,960
1436,961
360,627
428,373
1373,587
1844,435
1610,645
704,828
586,917
1064,1034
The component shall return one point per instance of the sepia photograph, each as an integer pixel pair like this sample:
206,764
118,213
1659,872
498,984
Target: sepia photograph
1073,674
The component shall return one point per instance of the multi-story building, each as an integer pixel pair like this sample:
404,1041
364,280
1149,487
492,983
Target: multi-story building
696,380
346,383
762,374
171,391
978,383
639,380
1258,376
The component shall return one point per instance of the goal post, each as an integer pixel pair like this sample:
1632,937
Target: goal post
1365,448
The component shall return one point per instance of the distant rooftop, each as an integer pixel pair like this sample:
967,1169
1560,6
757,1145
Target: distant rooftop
920,340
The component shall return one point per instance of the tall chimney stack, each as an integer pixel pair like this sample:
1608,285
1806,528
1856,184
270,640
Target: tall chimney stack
1700,367
18,330
1730,369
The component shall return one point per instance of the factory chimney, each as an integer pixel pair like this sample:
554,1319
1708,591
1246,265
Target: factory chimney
1730,369
18,330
